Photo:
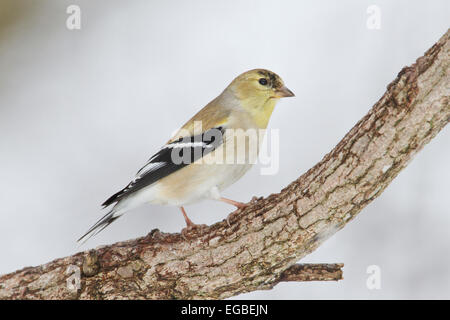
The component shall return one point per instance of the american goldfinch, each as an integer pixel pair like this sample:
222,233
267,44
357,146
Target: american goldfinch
203,158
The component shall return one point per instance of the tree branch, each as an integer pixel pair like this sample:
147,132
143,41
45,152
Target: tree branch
312,272
267,238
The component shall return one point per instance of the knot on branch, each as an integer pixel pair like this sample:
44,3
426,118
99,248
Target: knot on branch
91,266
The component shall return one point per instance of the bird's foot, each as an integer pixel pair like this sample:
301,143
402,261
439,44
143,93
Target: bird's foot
234,213
241,205
193,229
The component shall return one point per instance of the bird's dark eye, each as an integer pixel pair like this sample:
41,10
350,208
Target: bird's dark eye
263,81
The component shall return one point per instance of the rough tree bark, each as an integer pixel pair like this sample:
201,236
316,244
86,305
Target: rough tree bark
267,238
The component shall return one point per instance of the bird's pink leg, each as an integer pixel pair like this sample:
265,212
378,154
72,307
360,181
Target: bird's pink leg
189,222
237,204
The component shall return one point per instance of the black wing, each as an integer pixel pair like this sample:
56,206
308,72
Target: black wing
170,158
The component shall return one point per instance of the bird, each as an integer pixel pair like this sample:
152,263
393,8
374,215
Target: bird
204,157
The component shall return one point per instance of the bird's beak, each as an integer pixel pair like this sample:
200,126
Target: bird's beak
284,92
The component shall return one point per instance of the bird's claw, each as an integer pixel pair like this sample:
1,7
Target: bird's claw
193,229
239,206
228,220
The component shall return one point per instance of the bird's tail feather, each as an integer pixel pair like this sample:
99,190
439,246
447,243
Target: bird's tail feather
101,224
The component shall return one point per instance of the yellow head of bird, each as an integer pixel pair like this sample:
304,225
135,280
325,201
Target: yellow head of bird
258,91
259,84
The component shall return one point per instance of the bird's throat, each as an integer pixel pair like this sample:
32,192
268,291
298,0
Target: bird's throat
262,115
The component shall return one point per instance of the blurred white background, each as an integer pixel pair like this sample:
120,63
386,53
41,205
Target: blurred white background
82,110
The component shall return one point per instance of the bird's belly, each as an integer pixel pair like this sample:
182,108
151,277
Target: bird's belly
196,182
